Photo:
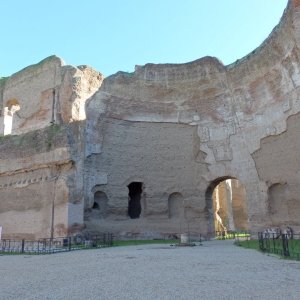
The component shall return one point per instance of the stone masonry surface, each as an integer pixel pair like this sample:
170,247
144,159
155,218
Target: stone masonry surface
140,153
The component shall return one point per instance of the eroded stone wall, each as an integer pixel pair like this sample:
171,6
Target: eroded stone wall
162,157
41,156
278,165
37,175
46,93
229,109
239,208
175,129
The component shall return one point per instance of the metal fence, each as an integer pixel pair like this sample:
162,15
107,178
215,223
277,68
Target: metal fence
174,237
60,244
286,245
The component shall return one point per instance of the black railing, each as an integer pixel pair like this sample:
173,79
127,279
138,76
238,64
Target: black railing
285,245
60,244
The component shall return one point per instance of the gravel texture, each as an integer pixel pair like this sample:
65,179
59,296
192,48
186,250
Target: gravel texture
215,270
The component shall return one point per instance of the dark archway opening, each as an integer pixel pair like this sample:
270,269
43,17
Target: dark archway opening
226,206
134,201
95,205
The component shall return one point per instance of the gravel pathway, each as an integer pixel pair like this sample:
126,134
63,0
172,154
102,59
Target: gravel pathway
216,270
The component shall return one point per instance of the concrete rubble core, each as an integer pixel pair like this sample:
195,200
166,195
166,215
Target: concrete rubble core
73,144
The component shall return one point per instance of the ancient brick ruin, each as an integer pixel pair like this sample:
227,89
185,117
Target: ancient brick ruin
141,153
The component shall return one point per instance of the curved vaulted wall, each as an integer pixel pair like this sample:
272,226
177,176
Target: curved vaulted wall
180,127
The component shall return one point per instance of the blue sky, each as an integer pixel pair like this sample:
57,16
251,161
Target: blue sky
114,35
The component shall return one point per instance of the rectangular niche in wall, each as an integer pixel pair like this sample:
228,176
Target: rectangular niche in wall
100,204
134,199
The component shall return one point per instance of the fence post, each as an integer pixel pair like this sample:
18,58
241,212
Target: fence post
285,245
70,241
23,246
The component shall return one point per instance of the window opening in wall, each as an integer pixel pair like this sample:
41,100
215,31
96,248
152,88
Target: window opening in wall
226,197
12,106
134,199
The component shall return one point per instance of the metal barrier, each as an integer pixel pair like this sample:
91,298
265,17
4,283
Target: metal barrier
286,245
192,236
60,244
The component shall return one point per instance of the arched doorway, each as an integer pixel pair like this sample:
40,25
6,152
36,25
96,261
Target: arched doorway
226,204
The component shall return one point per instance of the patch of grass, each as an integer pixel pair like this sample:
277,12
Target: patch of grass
143,242
294,245
249,244
275,248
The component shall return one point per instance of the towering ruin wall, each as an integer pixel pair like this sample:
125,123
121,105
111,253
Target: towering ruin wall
41,177
231,109
155,142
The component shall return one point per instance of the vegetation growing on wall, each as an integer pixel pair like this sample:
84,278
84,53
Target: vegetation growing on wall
38,65
52,132
3,80
33,141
